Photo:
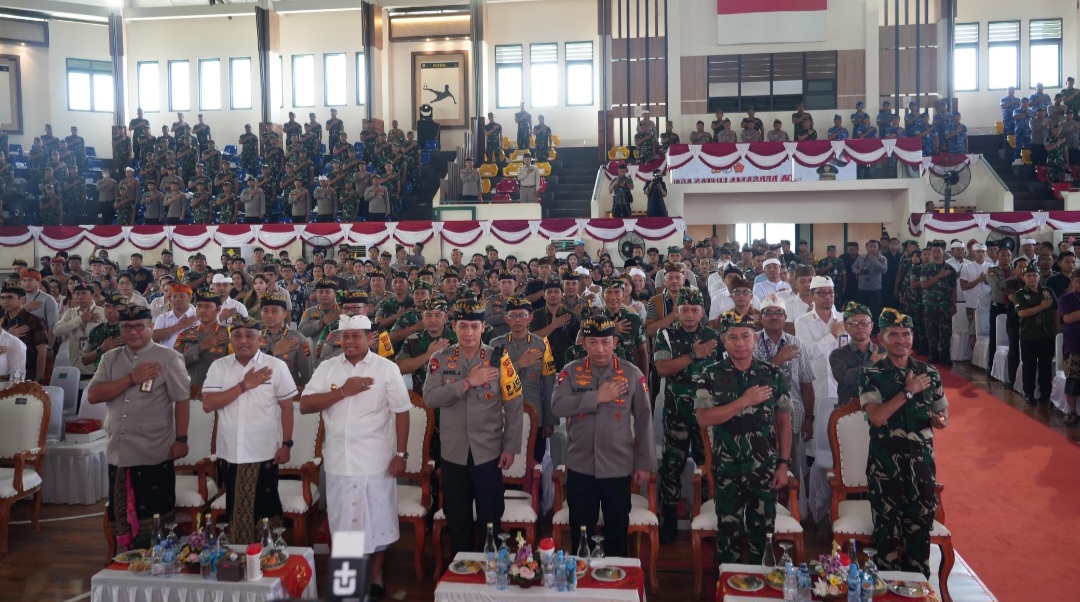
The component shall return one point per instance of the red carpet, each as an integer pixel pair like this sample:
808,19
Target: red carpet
1011,496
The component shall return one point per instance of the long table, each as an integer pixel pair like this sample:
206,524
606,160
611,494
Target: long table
113,585
726,594
471,588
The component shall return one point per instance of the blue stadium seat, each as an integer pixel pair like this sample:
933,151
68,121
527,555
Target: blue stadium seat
359,147
230,150
93,164
91,152
15,149
431,145
408,188
425,158
372,169
322,149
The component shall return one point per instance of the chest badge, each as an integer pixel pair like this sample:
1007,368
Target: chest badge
487,396
618,416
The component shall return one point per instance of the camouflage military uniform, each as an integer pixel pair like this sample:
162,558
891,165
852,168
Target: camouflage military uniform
627,343
900,470
833,267
98,336
911,300
682,436
249,152
744,456
416,345
937,308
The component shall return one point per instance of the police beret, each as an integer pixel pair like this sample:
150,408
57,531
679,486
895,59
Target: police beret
97,260
435,305
690,296
596,327
205,296
353,297
75,257
377,273
553,283
730,320
469,310
1031,269
854,309
518,302
246,322
325,284
395,274
422,285
135,313
274,301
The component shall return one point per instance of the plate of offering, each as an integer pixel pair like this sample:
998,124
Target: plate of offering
745,583
466,567
910,589
582,568
140,567
775,579
610,574
131,556
274,559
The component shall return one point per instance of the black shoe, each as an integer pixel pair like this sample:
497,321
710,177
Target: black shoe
669,525
946,362
377,592
1028,399
1045,402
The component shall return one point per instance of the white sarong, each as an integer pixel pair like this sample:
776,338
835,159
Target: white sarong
366,503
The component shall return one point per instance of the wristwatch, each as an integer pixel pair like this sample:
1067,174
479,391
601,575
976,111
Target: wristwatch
403,455
908,394
693,355
182,439
287,443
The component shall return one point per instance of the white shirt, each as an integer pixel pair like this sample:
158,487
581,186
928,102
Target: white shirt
13,359
818,341
719,305
979,295
248,429
765,287
168,319
958,264
138,300
159,306
716,285
796,308
230,303
360,431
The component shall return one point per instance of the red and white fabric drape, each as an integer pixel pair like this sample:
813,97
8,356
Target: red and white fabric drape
276,236
1021,222
811,153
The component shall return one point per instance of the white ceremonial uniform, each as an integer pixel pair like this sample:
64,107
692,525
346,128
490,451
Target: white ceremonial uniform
360,442
719,305
168,319
231,303
763,288
13,358
795,308
979,295
249,428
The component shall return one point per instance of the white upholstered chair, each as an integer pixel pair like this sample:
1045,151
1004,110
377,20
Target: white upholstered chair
979,354
999,368
414,497
195,484
24,423
849,438
960,344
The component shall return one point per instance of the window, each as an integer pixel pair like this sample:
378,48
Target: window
361,79
303,80
277,78
179,86
240,83
772,82
508,61
1044,35
544,74
334,94
579,73
1003,49
966,57
745,231
90,85
149,87
209,84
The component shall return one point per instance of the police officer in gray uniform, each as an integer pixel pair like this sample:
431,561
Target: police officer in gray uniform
535,365
495,311
480,430
205,342
283,343
609,422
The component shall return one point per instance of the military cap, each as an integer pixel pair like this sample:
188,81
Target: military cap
80,288
377,273
435,305
1031,269
596,327
890,317
690,296
618,283
730,320
854,309
135,313
674,249
506,275
450,273
468,309
18,291
490,248
422,285
198,256
100,261
325,284
353,297
385,254
246,322
830,248
553,283
395,274
205,296
425,272
670,266
274,301
518,302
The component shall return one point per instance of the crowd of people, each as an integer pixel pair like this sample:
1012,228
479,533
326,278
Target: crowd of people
759,342
1045,126
182,174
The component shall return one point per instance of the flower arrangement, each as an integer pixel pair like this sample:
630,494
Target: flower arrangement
525,569
830,581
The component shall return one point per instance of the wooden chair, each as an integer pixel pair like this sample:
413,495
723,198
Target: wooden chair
299,497
849,439
521,507
644,518
414,499
24,423
195,484
787,525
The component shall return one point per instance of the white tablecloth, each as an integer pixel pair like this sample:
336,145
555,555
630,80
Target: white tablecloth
757,569
121,586
75,473
467,592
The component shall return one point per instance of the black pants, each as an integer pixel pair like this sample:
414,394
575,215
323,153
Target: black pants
1038,154
300,219
996,309
173,221
1012,329
108,213
585,495
254,219
1038,355
462,485
871,299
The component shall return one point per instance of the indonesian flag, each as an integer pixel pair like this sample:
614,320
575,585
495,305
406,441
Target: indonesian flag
771,21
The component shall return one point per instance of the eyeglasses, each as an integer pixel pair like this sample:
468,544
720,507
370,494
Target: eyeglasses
742,292
773,314
824,294
859,323
133,327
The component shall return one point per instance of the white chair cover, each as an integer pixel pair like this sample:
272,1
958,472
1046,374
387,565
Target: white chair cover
56,417
980,353
67,378
1000,367
96,411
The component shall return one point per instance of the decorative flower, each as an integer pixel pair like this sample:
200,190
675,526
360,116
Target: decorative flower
820,588
514,570
527,573
834,580
834,590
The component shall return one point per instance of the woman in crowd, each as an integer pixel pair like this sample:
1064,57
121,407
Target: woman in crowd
259,284
125,285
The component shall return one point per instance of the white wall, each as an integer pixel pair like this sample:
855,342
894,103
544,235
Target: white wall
981,109
400,82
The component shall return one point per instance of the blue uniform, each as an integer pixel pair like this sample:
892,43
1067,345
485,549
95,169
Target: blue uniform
857,117
1039,101
859,129
1009,104
1022,120
911,122
957,145
870,132
927,133
838,132
883,117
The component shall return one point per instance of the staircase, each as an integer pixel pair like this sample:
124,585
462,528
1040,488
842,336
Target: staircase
417,206
1028,193
570,187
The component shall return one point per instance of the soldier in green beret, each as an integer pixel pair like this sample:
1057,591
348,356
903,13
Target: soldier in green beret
629,329
746,403
904,402
681,353
105,336
411,321
395,305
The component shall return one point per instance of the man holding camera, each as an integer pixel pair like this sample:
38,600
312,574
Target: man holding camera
656,192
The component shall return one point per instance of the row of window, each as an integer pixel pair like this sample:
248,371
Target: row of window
1003,54
543,74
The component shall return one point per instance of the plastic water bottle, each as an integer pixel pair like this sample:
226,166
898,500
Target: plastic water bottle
560,572
490,562
854,580
170,554
548,566
157,565
502,578
804,583
791,583
571,574
867,587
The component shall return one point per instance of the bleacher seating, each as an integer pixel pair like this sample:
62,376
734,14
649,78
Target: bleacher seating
91,152
229,150
501,198
619,153
511,169
15,149
431,145
488,170
507,186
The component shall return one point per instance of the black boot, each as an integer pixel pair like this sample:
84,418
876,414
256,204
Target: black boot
669,524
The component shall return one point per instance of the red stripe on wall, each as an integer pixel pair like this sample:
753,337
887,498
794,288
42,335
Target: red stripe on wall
742,7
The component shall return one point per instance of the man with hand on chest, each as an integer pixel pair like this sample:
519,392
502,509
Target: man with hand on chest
203,344
480,424
609,422
282,343
247,389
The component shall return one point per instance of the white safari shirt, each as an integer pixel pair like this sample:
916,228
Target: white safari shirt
360,428
248,429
